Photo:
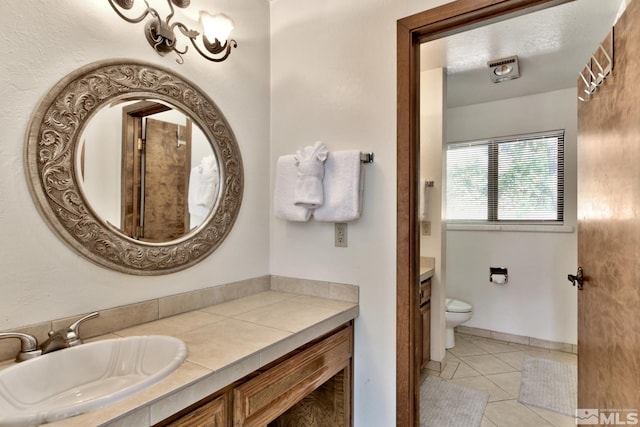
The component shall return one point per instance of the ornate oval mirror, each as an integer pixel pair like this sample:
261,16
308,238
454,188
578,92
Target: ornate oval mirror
134,167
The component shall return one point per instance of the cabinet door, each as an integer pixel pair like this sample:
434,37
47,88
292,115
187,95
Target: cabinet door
425,291
211,414
425,314
262,399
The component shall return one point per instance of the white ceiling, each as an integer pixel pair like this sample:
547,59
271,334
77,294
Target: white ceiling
552,46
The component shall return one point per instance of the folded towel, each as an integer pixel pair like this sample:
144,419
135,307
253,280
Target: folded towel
308,190
203,187
283,194
425,201
343,187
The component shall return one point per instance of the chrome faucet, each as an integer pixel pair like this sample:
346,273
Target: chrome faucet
66,337
28,345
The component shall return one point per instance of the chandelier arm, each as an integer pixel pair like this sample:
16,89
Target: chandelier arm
188,32
169,16
181,52
132,20
180,59
227,50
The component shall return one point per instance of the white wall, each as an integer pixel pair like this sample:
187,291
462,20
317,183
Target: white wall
538,301
333,68
330,75
433,86
42,278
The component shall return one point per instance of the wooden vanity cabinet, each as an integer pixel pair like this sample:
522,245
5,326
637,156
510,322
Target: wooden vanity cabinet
263,399
311,386
214,413
423,329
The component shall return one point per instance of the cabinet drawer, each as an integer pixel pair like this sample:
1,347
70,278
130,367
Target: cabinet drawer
425,291
265,397
211,414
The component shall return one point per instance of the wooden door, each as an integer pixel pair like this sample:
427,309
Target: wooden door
166,180
609,232
168,162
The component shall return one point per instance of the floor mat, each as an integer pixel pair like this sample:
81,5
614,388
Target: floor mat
549,384
443,404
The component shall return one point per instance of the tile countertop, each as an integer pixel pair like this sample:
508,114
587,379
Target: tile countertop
427,265
225,343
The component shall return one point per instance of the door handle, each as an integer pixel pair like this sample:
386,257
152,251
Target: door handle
579,278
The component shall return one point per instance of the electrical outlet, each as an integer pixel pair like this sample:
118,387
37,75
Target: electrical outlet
341,234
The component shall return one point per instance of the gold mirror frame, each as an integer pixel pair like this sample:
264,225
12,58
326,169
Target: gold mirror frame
51,151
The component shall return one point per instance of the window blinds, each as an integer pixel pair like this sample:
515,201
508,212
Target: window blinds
518,178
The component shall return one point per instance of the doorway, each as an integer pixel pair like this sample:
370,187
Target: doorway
156,160
412,32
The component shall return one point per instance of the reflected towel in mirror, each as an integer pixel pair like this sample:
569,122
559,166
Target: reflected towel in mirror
203,186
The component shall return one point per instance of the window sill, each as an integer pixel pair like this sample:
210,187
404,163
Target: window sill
535,228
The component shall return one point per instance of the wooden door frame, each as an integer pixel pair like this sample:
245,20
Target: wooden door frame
412,31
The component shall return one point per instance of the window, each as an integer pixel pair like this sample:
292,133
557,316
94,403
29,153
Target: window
518,178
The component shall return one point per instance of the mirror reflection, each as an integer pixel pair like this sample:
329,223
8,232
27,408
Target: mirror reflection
147,170
108,199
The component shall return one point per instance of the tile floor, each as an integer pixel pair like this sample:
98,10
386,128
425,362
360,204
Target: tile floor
495,367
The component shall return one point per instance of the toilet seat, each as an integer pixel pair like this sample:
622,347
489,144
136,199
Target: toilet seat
455,306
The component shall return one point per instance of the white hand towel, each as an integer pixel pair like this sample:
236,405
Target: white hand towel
343,187
283,194
308,191
425,201
203,187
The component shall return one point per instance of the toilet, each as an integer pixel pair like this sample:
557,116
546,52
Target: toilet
457,312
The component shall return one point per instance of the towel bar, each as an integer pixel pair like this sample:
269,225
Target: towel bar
366,157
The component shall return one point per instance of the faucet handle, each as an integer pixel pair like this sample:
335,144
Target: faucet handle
28,345
73,332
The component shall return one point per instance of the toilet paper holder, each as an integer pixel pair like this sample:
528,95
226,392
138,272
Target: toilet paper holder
498,275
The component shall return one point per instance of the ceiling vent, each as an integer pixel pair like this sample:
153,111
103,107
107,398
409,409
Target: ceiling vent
504,69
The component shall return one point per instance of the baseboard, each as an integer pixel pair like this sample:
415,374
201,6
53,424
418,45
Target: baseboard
518,339
432,365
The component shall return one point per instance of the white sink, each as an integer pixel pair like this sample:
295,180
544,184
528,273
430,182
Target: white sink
82,378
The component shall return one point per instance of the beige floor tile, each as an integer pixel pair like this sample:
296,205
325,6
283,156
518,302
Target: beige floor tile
449,357
554,418
493,347
433,373
494,367
510,413
559,356
449,370
487,364
465,348
486,422
483,384
509,382
464,370
514,359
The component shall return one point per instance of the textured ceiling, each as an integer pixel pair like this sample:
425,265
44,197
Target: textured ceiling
552,46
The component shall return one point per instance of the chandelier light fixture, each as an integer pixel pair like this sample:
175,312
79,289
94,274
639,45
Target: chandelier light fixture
214,44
